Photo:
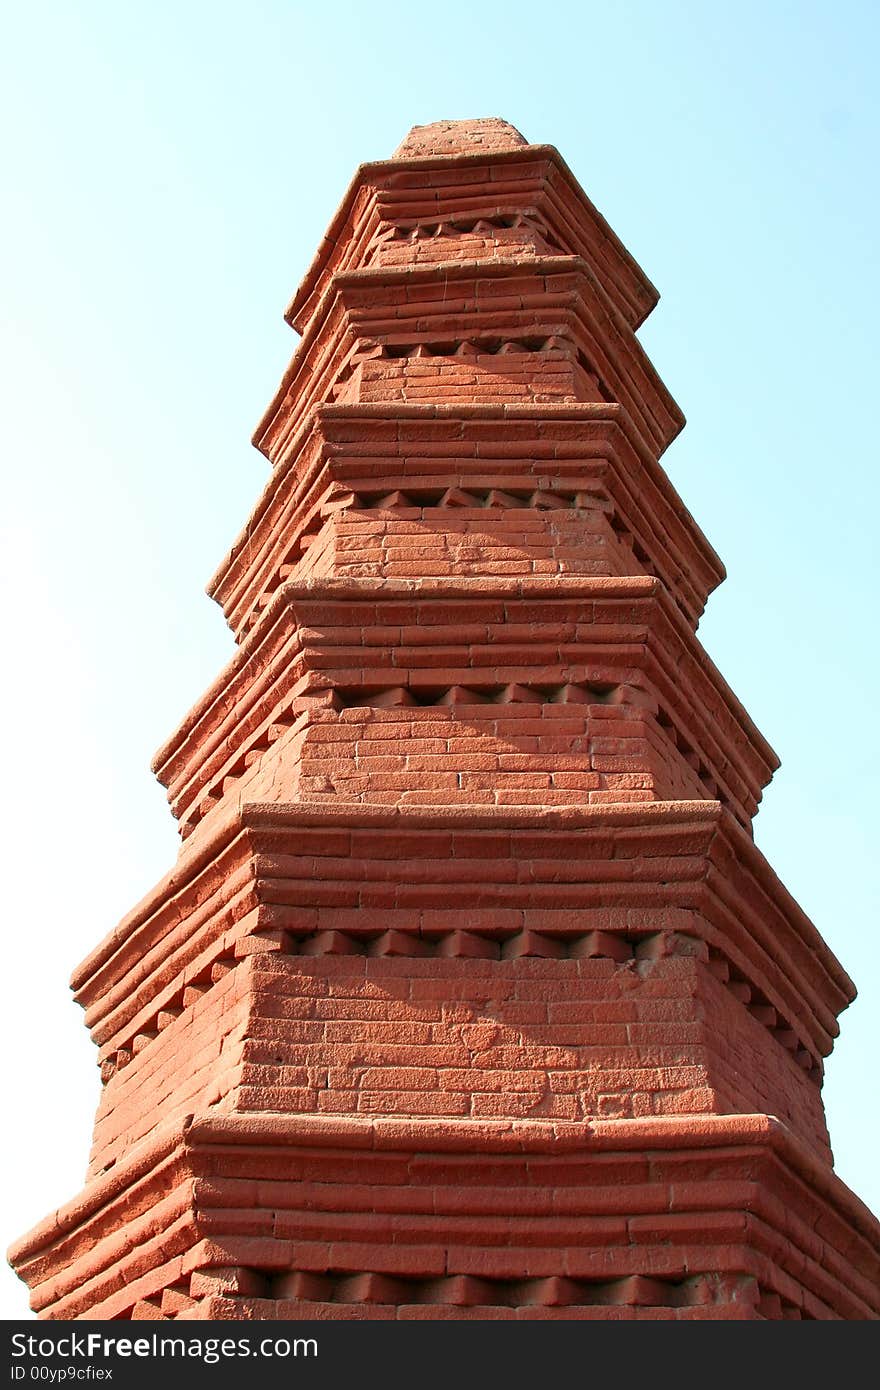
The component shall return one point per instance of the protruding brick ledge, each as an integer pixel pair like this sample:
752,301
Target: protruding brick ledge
617,870
349,635
279,1216
398,310
562,456
436,189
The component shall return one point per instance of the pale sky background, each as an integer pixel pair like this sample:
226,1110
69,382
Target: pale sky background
167,173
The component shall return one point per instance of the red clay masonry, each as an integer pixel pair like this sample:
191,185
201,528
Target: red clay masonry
469,995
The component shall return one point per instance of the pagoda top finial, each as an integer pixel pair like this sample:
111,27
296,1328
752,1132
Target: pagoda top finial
459,137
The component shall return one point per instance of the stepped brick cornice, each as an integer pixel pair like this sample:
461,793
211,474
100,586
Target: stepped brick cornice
421,207
498,330
466,466
295,1217
569,649
470,994
597,889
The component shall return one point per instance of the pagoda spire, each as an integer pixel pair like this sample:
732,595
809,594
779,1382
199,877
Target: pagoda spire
470,994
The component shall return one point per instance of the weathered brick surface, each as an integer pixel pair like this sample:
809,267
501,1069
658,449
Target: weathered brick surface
469,995
403,541
572,754
193,1061
523,1036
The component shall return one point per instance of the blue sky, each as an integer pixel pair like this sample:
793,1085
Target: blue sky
168,172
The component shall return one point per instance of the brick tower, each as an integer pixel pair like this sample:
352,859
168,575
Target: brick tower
469,995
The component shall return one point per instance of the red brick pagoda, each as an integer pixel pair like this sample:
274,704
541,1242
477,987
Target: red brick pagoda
469,995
